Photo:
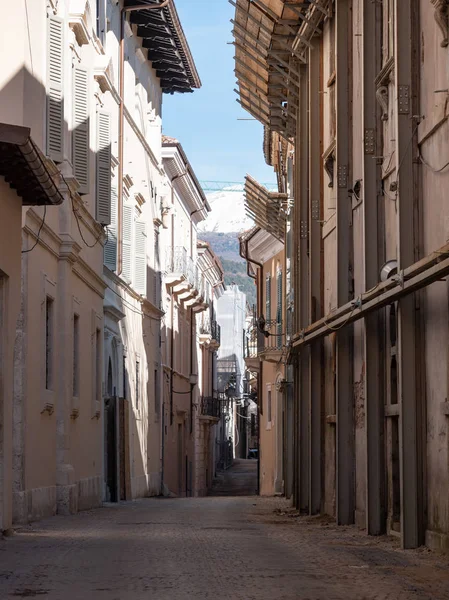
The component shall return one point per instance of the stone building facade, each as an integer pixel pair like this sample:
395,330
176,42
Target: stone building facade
82,263
353,97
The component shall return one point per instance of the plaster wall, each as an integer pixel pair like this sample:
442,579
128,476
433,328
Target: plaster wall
10,259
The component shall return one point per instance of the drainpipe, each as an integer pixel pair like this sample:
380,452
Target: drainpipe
192,315
121,122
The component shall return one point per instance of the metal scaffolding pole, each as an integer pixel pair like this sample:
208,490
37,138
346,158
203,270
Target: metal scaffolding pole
345,401
315,273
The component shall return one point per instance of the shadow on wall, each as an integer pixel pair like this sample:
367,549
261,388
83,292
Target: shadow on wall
64,327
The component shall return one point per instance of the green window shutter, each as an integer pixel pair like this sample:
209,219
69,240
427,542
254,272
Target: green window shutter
110,248
279,297
55,89
279,309
268,298
80,133
140,258
103,159
127,243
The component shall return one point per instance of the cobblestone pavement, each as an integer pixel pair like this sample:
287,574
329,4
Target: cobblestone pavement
211,548
239,480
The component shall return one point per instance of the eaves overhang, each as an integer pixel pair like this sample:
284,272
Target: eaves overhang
168,51
272,39
25,168
180,171
266,208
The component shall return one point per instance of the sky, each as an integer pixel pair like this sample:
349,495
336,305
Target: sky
219,147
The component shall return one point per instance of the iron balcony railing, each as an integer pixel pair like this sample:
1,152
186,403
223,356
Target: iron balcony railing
206,326
260,339
210,407
176,260
216,331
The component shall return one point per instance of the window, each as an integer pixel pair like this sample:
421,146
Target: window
140,257
127,242
76,323
80,128
98,361
125,380
55,89
49,342
101,21
106,195
156,392
137,384
269,407
279,309
268,298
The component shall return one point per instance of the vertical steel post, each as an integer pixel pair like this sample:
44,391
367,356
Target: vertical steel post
345,400
407,380
302,148
315,300
374,397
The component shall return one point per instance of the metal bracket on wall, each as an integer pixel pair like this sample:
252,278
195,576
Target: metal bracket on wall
404,99
316,210
342,176
369,141
303,230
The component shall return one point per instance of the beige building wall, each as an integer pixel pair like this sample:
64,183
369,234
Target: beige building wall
10,247
186,292
265,250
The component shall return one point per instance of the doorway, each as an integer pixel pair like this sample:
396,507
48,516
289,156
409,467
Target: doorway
111,438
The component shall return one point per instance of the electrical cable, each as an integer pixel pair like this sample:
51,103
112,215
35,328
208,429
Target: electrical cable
38,233
426,164
75,211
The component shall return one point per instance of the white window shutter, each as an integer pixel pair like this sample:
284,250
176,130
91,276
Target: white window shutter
127,243
80,133
140,258
55,89
110,248
103,159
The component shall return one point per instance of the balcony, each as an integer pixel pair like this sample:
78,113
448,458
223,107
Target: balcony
210,333
264,342
216,333
186,280
210,408
177,270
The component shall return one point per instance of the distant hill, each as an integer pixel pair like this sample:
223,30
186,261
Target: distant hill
221,230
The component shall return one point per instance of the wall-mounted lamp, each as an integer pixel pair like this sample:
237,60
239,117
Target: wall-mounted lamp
193,378
389,270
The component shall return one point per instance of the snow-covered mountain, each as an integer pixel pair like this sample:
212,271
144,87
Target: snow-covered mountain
228,213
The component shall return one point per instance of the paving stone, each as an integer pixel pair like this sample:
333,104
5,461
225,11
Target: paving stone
211,548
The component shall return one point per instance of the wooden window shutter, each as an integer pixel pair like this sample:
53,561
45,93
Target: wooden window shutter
279,309
268,298
55,89
103,159
140,258
127,242
110,248
80,133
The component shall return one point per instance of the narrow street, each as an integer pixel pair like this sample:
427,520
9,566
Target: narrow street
239,480
211,548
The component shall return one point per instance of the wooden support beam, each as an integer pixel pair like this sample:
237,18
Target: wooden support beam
405,135
345,396
374,390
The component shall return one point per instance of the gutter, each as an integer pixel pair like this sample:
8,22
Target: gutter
121,124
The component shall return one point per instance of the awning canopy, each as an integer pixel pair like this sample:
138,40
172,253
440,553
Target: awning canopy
25,168
168,50
271,42
265,208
